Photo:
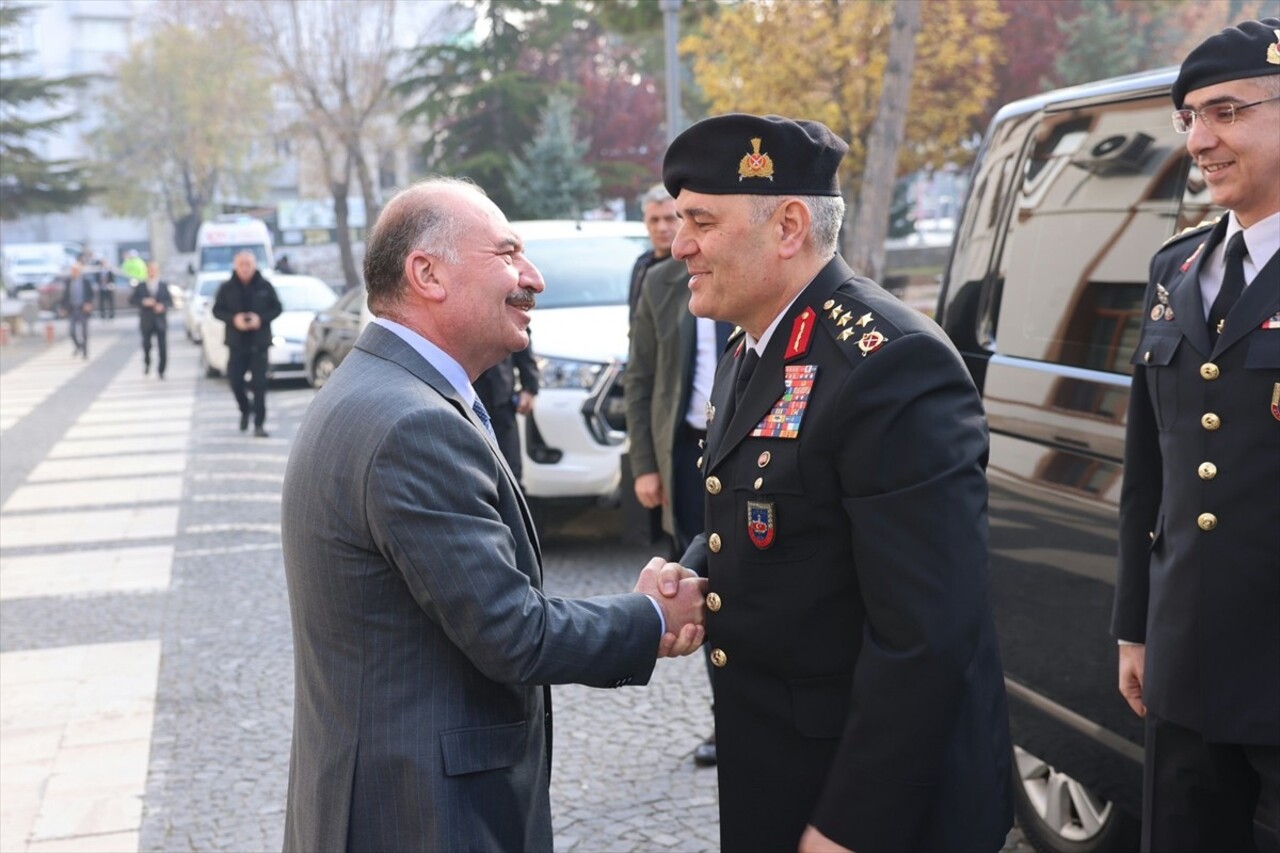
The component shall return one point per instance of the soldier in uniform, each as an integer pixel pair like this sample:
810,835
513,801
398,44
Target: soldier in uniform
1197,607
859,697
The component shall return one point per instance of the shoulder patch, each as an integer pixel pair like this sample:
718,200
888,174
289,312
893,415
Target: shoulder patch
857,329
1192,230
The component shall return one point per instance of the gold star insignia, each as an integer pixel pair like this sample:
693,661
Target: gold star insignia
864,319
845,318
846,334
835,312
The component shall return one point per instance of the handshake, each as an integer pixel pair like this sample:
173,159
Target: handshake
682,596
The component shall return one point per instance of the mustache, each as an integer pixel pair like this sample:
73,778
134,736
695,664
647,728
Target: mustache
523,299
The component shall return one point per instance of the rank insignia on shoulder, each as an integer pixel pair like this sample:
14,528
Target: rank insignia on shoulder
871,341
783,420
1272,322
761,524
1275,401
863,320
755,164
801,333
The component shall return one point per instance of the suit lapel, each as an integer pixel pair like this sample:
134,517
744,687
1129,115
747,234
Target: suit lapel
1185,298
1260,300
767,383
384,343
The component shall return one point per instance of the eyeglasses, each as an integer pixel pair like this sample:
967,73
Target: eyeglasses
1217,115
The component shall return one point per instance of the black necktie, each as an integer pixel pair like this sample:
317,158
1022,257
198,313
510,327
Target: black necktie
748,367
1232,285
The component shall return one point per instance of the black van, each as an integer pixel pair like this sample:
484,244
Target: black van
1072,194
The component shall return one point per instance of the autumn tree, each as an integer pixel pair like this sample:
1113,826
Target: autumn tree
826,61
29,182
549,180
336,62
184,121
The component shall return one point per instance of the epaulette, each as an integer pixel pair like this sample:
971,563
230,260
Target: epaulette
858,331
1191,230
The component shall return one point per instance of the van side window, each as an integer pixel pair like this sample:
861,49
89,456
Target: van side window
1100,192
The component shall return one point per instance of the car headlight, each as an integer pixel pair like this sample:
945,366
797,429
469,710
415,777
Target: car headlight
565,373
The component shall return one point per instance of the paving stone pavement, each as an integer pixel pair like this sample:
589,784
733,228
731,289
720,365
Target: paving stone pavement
221,712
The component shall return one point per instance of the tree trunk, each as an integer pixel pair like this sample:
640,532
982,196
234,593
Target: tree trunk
868,225
184,231
367,189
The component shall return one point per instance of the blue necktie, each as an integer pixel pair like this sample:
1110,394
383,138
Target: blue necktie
483,415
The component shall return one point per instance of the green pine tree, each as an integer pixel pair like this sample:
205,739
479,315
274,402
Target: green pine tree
29,183
549,180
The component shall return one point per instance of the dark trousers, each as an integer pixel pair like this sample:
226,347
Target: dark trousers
107,303
503,420
161,334
254,361
1205,796
79,323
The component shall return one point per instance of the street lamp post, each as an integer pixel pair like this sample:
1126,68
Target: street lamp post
670,28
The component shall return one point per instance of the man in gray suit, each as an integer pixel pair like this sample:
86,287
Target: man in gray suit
422,638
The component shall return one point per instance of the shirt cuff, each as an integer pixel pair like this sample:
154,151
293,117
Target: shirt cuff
1127,643
661,618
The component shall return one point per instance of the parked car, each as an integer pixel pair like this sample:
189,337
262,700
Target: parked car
1072,194
574,440
332,334
199,301
301,296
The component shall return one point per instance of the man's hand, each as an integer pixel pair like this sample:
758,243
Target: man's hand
524,403
87,308
682,595
649,490
814,841
1132,660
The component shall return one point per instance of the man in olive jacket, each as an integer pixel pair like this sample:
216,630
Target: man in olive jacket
248,303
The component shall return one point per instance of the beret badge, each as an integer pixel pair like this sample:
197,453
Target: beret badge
1273,50
755,164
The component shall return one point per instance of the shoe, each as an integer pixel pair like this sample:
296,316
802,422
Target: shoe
160,376
244,421
705,754
261,432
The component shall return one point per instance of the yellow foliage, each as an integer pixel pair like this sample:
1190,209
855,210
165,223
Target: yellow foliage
824,60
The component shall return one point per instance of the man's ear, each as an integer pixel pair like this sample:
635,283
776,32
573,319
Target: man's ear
423,273
794,220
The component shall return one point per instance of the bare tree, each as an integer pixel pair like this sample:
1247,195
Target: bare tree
335,60
868,220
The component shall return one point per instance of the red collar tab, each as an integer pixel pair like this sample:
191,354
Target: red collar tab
801,335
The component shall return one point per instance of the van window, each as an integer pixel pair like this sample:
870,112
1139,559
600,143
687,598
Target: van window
214,258
1099,191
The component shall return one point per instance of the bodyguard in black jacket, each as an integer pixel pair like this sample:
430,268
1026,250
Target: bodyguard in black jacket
153,301
248,303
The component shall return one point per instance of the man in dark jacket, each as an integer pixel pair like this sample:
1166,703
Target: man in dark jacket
859,694
496,388
77,303
153,301
247,303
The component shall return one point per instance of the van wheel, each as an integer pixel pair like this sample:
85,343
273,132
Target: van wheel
1059,815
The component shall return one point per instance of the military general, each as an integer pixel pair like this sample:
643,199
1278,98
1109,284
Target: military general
1197,608
859,698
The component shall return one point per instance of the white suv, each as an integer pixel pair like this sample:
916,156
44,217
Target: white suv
573,442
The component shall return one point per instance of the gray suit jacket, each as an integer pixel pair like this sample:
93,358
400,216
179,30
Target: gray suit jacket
663,337
421,633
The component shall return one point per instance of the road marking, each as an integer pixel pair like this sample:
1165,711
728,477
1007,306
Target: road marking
107,571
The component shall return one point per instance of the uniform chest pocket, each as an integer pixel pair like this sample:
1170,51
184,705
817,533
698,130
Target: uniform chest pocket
771,506
1264,350
1156,352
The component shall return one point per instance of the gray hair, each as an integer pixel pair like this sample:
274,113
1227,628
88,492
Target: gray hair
826,213
656,194
416,219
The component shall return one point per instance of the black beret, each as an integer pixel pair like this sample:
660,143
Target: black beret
1251,49
754,155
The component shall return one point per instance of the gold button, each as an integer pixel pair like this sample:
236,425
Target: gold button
1207,470
758,483
1210,421
764,458
1209,370
713,602
1146,357
713,485
713,542
1207,521
718,657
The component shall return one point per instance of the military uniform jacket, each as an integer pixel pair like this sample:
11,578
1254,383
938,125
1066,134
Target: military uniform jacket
1199,576
857,681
